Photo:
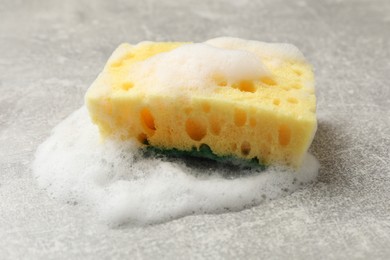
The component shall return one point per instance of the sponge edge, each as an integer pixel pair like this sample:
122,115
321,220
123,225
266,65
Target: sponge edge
247,99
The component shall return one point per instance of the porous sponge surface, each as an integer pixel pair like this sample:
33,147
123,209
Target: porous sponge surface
242,98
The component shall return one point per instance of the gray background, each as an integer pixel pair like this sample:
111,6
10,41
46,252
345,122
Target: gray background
51,51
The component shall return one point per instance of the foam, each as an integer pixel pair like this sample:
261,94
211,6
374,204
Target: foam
263,50
123,186
194,68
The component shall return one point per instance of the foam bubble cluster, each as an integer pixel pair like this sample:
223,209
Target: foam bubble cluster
262,50
124,186
196,67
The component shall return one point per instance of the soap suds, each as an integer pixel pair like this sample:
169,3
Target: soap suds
199,67
125,187
196,67
263,50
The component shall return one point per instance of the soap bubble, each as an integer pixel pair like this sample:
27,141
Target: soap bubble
124,187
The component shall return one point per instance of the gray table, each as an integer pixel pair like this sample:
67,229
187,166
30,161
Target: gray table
50,51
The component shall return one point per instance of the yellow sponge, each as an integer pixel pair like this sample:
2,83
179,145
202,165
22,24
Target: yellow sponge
242,98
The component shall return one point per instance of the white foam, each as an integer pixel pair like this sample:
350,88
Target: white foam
194,67
123,186
263,50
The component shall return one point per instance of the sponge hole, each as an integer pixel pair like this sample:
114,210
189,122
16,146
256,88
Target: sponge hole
116,64
215,124
276,101
119,61
292,100
246,86
196,128
127,85
222,83
268,81
239,117
129,56
298,72
245,148
147,119
220,80
284,135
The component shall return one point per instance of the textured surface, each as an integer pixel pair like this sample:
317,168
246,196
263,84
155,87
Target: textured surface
50,51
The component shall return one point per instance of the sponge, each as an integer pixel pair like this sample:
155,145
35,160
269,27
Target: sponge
238,98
